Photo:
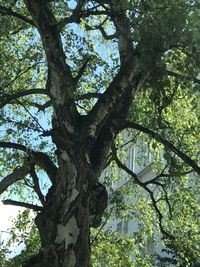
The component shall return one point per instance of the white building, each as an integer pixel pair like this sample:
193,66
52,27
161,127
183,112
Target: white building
140,161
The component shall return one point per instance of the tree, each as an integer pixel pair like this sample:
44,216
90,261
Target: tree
75,75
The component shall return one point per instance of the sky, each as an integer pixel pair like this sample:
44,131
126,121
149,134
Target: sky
7,214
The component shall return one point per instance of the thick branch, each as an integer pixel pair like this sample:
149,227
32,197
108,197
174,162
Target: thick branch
123,31
10,12
117,98
39,158
8,98
51,39
16,175
45,163
22,204
60,81
167,144
14,146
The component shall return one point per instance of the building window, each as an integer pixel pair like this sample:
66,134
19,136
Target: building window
150,244
145,155
131,158
119,227
125,228
122,227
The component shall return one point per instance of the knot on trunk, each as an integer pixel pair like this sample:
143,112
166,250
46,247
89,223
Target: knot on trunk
97,205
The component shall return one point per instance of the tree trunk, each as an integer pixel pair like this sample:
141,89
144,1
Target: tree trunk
65,222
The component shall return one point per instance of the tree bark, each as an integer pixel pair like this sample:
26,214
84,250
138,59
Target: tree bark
65,221
76,200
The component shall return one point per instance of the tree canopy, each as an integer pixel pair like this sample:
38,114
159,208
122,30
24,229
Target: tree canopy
76,76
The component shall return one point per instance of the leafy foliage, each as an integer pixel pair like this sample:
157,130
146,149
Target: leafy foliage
163,120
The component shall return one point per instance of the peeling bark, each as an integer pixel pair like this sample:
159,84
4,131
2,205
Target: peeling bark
65,221
16,175
76,201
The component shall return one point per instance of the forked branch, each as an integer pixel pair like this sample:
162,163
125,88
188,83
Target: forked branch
39,158
143,185
75,16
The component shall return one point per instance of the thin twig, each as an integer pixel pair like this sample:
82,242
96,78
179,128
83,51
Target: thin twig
37,186
35,119
143,185
100,229
160,139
